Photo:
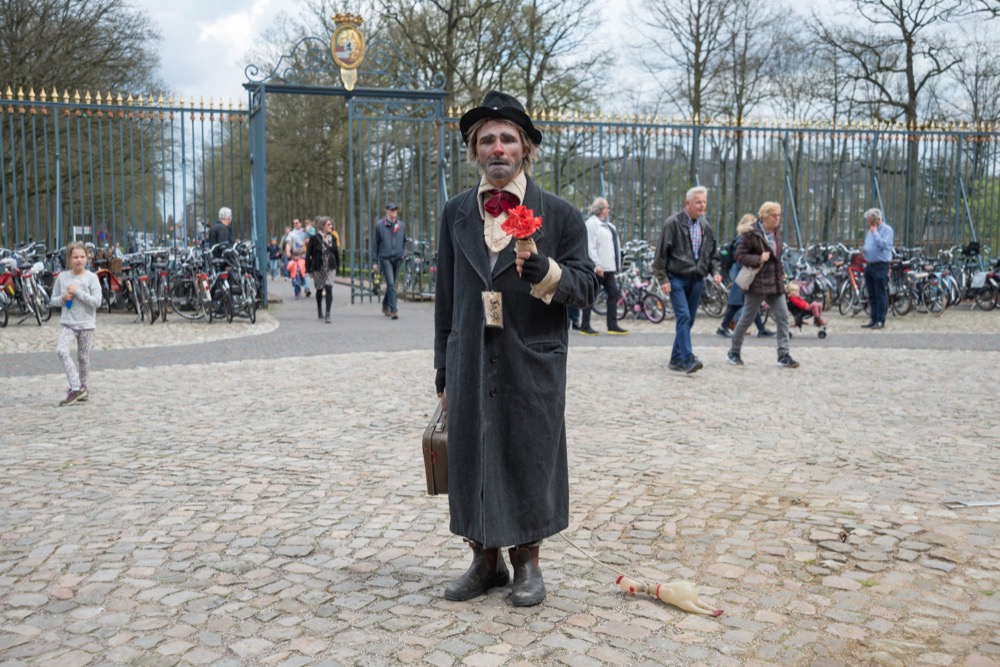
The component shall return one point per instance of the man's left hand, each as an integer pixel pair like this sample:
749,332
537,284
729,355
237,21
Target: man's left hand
532,267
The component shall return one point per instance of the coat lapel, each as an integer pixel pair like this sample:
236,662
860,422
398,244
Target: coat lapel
469,235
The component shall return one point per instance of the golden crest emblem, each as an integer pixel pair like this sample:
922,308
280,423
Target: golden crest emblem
348,47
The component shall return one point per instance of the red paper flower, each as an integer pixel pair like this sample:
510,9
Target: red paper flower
521,222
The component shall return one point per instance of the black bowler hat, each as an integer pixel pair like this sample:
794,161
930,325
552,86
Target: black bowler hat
499,106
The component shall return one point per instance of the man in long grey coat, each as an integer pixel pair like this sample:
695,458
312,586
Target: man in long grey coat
500,349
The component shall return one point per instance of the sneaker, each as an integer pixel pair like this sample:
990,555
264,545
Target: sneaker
72,396
764,333
84,394
394,315
385,311
786,361
327,318
573,325
693,366
587,331
721,331
308,294
618,331
733,358
675,365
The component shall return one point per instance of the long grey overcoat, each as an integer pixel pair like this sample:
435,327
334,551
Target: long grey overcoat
508,481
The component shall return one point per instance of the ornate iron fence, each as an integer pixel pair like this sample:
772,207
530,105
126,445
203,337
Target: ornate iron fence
145,171
110,170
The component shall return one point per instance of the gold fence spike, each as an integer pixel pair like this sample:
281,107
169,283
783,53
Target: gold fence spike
76,96
150,102
31,94
43,97
86,98
130,100
211,104
9,94
66,95
201,102
55,94
20,93
100,100
239,104
119,101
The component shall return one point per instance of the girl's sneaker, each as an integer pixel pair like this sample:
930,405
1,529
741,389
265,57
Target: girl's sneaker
72,396
84,394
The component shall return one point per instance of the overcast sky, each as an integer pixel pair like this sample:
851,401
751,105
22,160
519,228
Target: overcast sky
204,43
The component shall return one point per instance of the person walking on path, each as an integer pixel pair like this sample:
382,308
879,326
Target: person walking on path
761,247
734,305
686,253
322,261
388,249
877,250
500,345
605,253
78,293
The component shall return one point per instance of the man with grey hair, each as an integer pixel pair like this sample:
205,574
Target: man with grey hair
877,250
221,231
604,251
686,253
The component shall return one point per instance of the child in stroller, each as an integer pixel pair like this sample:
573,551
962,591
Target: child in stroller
801,310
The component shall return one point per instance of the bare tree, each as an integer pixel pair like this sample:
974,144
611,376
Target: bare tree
679,43
82,44
682,40
895,60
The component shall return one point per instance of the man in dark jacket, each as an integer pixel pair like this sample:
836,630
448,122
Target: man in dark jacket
686,253
221,231
388,249
500,348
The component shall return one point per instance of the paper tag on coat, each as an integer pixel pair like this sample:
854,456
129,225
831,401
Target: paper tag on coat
493,307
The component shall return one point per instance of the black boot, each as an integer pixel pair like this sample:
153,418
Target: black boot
528,589
487,571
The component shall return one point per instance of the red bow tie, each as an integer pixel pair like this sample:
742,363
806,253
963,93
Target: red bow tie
500,200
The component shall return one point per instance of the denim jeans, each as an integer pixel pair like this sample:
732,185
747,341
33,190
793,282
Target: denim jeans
877,282
390,269
273,268
685,295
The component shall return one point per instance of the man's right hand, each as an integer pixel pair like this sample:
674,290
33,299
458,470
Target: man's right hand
665,287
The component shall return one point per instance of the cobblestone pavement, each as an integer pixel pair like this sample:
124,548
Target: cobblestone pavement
267,507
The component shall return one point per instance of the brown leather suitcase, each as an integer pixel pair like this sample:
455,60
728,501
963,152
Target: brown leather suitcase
435,447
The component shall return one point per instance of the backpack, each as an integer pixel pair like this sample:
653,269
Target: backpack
727,252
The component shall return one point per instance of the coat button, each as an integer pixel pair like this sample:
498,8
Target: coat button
493,392
494,358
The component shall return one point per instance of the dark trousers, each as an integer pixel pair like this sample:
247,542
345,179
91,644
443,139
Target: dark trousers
877,282
611,287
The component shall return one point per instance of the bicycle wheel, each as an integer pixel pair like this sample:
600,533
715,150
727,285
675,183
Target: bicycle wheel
146,302
163,299
935,298
624,306
986,296
185,300
601,302
28,306
250,299
713,299
901,302
844,298
3,310
227,305
653,307
42,302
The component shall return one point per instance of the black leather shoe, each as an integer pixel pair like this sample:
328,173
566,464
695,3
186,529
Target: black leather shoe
721,331
870,325
764,333
528,588
487,571
878,325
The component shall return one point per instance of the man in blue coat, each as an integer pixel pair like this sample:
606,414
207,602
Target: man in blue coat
500,348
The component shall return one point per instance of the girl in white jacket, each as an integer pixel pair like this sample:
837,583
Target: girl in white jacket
78,292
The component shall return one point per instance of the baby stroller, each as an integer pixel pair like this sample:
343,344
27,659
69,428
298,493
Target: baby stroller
799,314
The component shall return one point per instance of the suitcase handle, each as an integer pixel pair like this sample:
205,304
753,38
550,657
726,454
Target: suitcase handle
442,422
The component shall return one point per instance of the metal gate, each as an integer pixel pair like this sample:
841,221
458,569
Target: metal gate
395,139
